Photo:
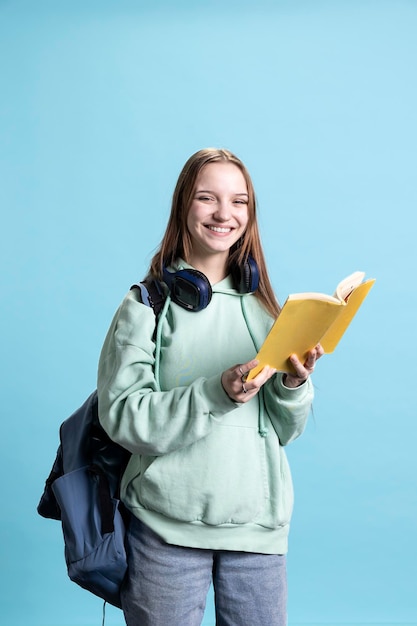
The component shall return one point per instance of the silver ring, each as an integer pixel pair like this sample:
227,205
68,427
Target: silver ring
244,389
244,376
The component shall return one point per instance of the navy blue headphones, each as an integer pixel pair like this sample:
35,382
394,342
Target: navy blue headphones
191,290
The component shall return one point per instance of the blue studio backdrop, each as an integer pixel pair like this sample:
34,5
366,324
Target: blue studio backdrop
101,104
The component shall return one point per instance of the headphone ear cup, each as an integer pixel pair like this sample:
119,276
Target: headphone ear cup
189,288
246,278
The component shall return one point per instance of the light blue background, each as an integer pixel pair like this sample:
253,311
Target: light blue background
101,103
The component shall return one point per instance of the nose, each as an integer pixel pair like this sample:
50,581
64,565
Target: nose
222,212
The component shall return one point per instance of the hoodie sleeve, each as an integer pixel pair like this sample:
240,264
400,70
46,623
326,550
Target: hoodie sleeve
288,409
132,409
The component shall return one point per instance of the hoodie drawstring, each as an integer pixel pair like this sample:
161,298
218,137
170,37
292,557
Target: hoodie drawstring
158,341
262,428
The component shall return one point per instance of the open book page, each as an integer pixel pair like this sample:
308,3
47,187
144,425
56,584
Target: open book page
343,289
347,285
332,337
313,295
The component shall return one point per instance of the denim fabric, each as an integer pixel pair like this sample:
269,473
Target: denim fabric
168,584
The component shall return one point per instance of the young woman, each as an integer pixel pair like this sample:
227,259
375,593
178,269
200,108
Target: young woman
208,483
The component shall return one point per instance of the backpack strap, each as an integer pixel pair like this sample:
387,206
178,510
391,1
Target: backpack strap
151,294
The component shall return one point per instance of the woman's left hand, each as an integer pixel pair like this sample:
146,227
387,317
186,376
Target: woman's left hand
303,371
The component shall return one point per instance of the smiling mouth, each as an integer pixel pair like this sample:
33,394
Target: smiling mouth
219,229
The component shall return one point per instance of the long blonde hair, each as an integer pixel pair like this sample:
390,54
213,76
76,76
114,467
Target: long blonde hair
176,242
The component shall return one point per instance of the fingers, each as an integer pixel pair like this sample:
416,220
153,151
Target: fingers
245,368
264,375
235,383
310,362
303,370
251,388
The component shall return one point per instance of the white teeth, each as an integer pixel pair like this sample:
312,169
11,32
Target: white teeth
217,229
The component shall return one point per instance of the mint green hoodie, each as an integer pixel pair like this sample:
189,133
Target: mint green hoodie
205,471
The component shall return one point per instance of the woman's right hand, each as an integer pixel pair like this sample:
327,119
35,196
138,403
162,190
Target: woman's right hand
235,385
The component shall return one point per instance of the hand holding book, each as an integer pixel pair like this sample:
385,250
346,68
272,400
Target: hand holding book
301,371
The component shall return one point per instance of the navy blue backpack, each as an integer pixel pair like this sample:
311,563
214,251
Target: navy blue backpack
82,491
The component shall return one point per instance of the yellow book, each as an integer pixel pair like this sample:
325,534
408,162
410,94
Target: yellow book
307,319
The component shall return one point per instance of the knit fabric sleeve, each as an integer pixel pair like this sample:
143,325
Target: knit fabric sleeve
288,409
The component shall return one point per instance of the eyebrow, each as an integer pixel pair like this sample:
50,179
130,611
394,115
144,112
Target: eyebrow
208,191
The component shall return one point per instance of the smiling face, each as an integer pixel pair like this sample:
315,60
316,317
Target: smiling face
218,214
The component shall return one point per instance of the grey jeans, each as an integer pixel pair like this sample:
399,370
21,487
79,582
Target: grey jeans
167,585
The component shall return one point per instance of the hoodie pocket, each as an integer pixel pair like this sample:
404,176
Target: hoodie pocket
217,480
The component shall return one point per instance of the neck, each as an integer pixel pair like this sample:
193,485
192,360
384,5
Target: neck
212,267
